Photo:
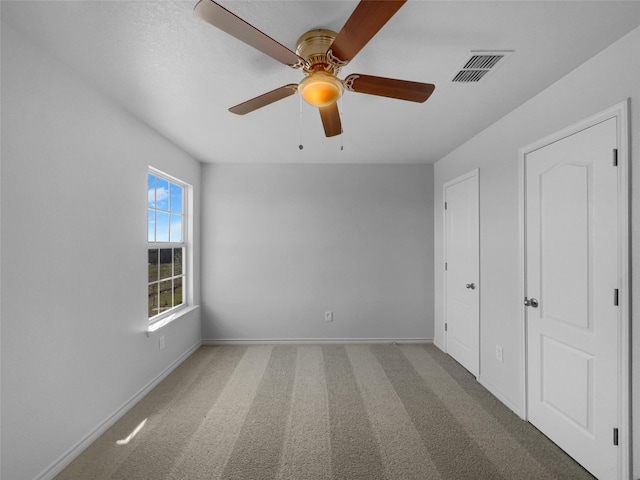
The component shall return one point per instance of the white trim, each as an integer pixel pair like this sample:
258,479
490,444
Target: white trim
625,458
522,283
619,111
170,317
166,245
290,341
168,177
66,458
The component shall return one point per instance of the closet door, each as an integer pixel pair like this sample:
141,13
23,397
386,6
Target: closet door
462,257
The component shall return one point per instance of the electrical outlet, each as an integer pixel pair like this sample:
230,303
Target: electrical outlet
499,353
161,342
328,316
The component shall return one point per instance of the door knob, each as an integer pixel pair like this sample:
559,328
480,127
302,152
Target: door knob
471,286
530,302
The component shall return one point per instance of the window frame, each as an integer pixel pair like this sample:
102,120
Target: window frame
184,244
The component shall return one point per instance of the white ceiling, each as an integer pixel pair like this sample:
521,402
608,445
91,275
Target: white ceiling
179,74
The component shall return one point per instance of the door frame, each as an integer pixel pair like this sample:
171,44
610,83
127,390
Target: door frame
619,111
470,174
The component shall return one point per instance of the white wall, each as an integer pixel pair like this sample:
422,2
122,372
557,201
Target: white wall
285,243
605,80
74,347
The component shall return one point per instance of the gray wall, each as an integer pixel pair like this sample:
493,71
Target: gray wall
285,243
605,80
74,270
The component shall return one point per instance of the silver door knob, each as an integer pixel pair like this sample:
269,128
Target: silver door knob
530,302
471,286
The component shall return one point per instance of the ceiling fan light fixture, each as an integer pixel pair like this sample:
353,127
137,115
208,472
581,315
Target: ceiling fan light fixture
320,89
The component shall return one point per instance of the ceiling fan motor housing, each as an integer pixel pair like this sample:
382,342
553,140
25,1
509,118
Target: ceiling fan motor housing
313,47
321,87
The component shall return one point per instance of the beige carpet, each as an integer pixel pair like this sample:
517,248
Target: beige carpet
322,412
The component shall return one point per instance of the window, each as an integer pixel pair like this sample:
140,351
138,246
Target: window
166,229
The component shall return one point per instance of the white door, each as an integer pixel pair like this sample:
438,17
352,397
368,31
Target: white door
571,281
462,314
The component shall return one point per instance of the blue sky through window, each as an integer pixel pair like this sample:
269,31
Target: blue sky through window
176,198
151,188
165,202
151,225
176,228
162,194
162,227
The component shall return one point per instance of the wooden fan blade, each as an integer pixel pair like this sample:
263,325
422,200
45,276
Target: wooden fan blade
365,21
331,120
220,17
389,87
264,99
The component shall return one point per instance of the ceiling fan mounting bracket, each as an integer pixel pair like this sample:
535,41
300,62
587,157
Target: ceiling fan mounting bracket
348,82
335,60
313,46
299,65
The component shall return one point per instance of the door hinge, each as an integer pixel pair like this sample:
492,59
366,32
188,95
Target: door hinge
615,436
445,327
445,205
615,157
616,297
446,266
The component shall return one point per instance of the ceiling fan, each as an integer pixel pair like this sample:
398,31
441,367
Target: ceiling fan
320,54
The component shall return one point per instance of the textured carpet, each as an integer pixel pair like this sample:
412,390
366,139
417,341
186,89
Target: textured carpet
321,412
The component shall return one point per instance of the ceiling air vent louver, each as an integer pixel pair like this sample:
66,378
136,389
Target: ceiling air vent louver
478,64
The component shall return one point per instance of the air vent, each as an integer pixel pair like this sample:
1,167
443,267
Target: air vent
478,64
469,75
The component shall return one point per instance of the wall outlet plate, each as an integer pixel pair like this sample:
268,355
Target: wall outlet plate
161,342
499,356
328,316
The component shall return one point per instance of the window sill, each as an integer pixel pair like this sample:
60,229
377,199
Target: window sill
163,322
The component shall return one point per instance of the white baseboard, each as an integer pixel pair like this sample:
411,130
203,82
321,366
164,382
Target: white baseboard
512,406
288,341
70,455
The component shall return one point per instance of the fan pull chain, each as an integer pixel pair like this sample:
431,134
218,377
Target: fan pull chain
300,146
